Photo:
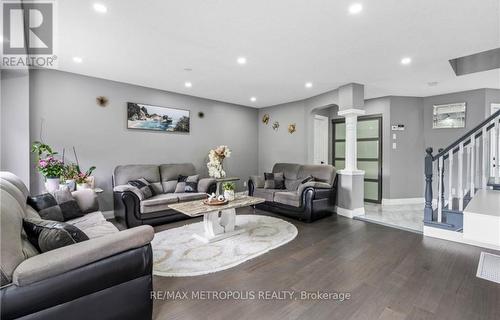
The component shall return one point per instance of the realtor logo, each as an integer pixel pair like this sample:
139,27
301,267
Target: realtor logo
28,34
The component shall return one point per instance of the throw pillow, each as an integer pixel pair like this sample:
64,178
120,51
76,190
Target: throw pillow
187,184
58,206
48,235
144,187
274,180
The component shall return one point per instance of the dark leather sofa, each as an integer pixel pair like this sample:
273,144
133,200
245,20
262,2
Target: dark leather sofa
132,210
108,276
308,201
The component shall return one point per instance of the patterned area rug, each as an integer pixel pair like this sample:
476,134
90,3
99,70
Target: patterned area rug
177,254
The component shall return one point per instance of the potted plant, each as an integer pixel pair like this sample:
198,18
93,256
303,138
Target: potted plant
82,179
229,188
69,174
48,166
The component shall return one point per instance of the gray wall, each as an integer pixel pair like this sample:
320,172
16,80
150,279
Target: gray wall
476,112
279,145
407,160
15,130
66,102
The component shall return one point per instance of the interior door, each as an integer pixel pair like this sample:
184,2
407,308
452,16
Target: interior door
369,131
320,139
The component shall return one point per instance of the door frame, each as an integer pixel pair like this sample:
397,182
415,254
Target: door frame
325,147
380,139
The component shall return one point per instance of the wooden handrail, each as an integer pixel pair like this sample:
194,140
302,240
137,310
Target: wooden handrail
467,136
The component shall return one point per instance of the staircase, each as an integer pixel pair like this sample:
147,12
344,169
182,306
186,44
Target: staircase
468,185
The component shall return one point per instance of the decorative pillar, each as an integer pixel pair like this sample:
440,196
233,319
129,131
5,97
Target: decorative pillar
351,137
351,180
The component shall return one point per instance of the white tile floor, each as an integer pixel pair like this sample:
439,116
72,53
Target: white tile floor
407,217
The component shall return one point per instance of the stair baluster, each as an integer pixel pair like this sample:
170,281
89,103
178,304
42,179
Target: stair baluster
461,177
428,167
450,180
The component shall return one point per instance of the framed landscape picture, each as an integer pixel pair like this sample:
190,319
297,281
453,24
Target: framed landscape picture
147,117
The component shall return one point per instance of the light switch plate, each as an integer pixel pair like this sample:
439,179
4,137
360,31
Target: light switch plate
394,145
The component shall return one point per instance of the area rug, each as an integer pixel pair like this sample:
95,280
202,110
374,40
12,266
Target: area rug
177,254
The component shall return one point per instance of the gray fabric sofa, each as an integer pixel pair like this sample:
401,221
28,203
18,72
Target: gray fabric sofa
85,280
133,210
308,201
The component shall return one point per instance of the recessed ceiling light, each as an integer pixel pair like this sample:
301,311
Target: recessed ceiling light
253,99
241,60
188,84
188,69
77,59
355,8
308,85
99,7
406,60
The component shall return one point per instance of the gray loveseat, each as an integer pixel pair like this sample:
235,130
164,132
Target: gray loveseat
108,276
130,205
308,201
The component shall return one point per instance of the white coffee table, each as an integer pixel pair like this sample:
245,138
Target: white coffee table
219,222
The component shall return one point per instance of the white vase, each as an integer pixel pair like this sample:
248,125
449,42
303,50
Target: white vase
229,195
52,184
82,186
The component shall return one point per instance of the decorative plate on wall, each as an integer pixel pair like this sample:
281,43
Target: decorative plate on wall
265,119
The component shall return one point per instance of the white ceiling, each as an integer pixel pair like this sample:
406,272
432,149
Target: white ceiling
286,43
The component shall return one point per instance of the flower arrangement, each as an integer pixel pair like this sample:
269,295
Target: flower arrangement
50,167
215,160
228,186
70,171
46,163
83,177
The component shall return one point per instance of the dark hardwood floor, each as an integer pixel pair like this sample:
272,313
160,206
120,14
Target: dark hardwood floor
390,274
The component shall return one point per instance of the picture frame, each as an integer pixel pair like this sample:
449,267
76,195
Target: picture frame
449,116
142,116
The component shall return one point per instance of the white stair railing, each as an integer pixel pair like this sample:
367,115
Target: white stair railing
477,147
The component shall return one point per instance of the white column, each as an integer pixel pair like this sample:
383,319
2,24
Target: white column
351,138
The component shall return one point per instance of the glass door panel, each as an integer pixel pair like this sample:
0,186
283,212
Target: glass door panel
369,131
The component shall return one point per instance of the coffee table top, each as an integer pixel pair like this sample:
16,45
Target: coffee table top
197,207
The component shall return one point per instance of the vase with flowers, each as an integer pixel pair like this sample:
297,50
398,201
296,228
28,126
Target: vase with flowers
229,188
69,174
47,164
215,161
82,179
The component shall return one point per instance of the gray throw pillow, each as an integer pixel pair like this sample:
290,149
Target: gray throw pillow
48,235
187,184
144,187
274,180
58,206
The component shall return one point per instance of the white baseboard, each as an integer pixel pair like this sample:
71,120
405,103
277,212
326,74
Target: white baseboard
350,213
455,237
394,202
108,214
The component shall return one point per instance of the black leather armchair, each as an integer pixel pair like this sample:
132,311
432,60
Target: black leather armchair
117,286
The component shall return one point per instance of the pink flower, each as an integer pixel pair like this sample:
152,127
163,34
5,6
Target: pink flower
42,163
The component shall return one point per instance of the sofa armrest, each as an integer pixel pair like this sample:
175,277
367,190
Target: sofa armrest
258,181
205,184
126,187
314,185
74,256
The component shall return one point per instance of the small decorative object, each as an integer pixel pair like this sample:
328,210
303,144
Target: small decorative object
147,117
70,171
201,114
215,161
48,166
276,125
214,200
102,101
447,116
292,128
228,190
265,119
